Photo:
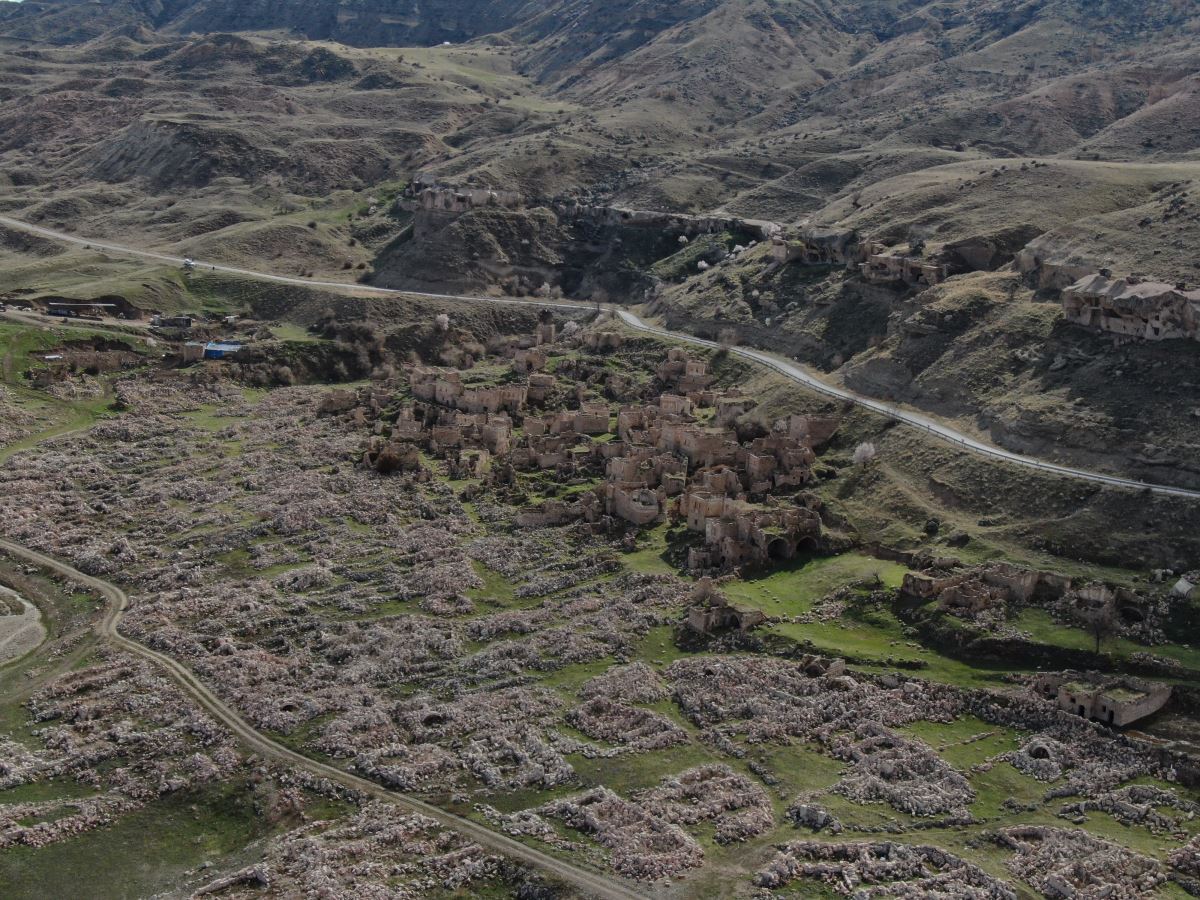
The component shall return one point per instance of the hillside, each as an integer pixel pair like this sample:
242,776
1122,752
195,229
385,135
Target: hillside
636,449
283,136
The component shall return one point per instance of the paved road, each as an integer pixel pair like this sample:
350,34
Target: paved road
787,368
592,884
917,420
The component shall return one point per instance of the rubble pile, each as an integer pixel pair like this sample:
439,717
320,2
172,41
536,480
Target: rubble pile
123,730
1074,864
527,823
804,814
634,683
775,700
1186,859
906,774
378,852
408,767
582,626
638,729
640,844
1139,804
1042,758
883,869
39,824
738,808
498,736
1088,760
15,421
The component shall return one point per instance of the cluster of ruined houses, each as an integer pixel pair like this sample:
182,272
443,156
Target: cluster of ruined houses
431,197
1128,308
968,592
815,245
1115,701
658,460
1133,309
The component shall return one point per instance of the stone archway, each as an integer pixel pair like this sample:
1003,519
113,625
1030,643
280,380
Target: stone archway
779,549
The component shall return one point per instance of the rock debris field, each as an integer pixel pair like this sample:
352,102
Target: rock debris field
529,677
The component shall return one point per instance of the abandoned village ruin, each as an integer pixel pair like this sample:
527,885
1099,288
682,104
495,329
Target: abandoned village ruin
624,450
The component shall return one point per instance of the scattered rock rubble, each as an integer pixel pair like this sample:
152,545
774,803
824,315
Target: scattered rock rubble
376,853
1073,864
883,869
904,773
123,730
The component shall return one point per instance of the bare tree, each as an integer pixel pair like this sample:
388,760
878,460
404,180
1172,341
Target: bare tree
1101,622
864,454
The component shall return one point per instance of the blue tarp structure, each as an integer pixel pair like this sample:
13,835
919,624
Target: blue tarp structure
220,349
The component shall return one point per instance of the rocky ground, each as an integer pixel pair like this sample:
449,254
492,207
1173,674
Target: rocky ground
402,627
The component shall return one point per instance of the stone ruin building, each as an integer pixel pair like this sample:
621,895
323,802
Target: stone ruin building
684,374
1132,309
882,266
1113,701
876,263
977,588
968,593
711,611
445,387
816,246
601,341
738,534
432,196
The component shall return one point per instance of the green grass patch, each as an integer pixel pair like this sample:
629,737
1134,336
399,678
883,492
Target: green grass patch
497,589
1043,629
140,854
293,334
956,741
792,589
51,789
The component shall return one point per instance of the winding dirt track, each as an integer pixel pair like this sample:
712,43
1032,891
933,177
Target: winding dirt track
591,883
789,369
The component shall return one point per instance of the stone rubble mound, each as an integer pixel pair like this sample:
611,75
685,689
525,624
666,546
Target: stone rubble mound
634,683
1139,804
738,807
121,729
635,727
775,700
640,844
810,815
904,773
1074,864
866,871
377,853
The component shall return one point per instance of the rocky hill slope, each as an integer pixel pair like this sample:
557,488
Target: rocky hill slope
1057,131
